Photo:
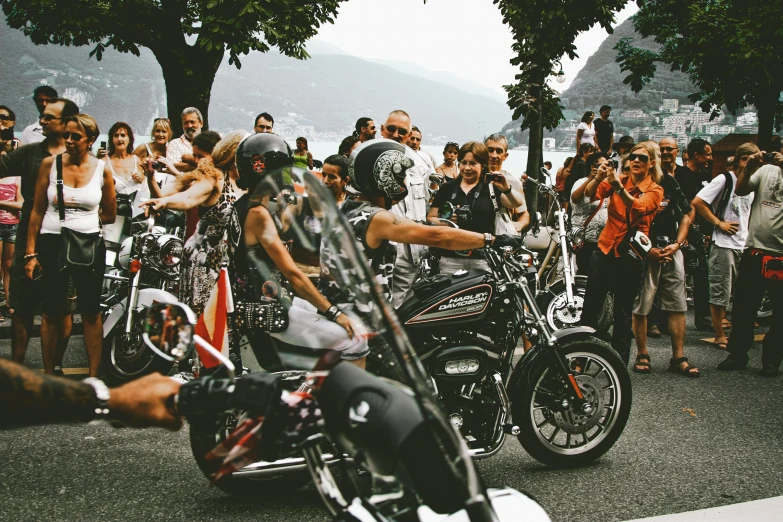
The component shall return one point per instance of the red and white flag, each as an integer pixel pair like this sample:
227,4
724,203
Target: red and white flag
212,326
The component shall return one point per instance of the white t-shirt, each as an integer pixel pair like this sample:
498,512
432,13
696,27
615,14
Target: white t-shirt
32,134
737,211
588,133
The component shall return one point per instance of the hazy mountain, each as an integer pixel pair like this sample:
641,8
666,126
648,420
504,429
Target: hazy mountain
329,91
601,82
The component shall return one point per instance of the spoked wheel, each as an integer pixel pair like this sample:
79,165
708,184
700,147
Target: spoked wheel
554,430
125,357
554,305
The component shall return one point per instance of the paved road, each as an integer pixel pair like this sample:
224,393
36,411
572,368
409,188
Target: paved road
724,449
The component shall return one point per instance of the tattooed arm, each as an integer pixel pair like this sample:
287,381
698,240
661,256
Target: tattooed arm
30,398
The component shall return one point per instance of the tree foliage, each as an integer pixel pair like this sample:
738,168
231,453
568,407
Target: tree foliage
730,49
544,31
188,37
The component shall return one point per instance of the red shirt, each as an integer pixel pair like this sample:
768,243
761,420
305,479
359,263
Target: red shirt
647,197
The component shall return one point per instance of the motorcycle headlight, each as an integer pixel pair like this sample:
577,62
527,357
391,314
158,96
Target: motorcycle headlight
577,237
170,254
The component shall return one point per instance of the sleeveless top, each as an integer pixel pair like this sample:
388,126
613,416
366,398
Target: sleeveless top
8,193
301,161
253,273
205,251
127,186
82,205
381,259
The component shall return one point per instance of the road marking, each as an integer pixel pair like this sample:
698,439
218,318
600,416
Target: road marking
766,510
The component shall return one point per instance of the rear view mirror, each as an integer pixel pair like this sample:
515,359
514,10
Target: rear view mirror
168,330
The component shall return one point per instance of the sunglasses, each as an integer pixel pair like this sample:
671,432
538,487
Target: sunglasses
5,117
668,149
156,120
391,129
644,158
73,136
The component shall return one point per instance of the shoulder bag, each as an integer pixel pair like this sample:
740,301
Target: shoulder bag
79,250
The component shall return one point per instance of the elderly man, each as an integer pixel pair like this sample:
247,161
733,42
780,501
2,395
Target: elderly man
180,150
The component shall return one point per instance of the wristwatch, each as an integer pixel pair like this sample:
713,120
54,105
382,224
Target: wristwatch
332,313
488,239
102,395
507,191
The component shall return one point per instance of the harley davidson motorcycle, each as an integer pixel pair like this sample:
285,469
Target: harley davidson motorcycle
567,399
144,271
385,451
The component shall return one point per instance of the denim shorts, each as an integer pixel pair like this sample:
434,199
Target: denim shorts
8,232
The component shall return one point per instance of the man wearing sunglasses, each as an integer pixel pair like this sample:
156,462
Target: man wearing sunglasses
414,206
25,162
42,96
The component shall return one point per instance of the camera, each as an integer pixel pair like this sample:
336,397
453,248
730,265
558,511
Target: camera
614,164
155,165
464,215
768,157
7,134
103,145
493,176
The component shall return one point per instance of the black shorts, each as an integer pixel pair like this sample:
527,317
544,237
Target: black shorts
54,285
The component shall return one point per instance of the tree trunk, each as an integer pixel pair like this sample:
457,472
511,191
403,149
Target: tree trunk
534,152
766,104
189,73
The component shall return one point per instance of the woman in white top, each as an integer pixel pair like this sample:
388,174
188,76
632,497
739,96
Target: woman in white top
129,179
585,132
89,200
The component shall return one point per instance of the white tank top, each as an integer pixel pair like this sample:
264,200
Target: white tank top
81,204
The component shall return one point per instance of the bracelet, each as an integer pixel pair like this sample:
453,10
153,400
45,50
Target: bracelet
488,240
102,396
28,257
332,313
507,191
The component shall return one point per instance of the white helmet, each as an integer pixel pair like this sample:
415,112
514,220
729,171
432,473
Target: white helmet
125,252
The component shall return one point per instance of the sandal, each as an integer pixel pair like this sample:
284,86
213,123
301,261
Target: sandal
674,366
725,324
642,363
720,345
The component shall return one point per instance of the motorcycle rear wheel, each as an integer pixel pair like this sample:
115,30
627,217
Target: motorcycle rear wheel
207,433
565,439
122,362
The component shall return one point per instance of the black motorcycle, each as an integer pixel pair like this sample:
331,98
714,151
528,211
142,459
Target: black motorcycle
567,398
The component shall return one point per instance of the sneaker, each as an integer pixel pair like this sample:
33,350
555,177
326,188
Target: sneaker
732,364
768,370
654,331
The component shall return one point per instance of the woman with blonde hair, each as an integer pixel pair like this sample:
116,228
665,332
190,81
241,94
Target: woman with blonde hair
161,136
212,188
633,202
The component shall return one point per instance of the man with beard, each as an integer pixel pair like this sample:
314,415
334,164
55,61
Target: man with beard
365,129
25,162
180,150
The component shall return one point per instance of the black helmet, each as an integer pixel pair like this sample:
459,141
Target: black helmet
258,154
378,168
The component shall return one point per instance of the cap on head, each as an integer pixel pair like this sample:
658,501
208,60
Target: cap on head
378,168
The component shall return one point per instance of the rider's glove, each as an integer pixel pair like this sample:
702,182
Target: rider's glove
507,241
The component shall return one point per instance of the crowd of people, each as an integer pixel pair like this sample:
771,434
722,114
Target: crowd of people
648,221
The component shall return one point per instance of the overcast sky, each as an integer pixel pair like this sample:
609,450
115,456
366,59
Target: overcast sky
465,37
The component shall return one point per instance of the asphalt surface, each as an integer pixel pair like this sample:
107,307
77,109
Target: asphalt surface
690,444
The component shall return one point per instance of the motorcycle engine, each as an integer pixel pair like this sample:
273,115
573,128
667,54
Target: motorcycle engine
462,370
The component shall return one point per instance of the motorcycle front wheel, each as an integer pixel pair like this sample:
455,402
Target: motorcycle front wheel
208,432
125,357
564,436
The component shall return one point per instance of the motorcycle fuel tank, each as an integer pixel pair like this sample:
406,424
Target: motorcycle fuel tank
456,299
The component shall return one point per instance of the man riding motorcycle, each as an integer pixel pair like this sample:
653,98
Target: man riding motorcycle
378,170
